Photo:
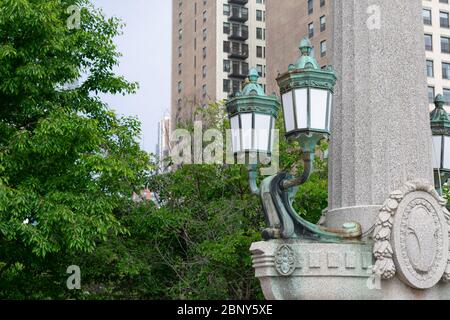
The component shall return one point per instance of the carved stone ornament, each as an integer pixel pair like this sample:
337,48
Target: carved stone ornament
285,260
412,236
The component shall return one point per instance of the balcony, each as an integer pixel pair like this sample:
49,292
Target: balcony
238,74
241,35
238,54
240,2
239,70
239,14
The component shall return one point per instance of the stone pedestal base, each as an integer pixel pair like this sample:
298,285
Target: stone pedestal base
301,270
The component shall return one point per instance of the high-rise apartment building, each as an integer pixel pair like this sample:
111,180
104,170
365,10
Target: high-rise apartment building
215,43
437,47
288,21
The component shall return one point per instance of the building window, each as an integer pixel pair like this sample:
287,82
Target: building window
445,45
226,65
323,23
204,52
259,15
430,68
226,46
428,42
310,6
204,91
426,14
311,30
226,28
443,16
226,85
445,70
260,69
180,68
180,86
236,86
259,33
179,104
259,52
446,94
205,34
431,95
323,48
205,16
180,51
180,34
226,10
204,71
322,3
245,68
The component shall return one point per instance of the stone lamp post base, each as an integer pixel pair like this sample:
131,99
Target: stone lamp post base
301,270
406,256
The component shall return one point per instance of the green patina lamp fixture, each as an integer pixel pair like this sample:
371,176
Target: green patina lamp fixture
307,97
307,92
440,128
252,115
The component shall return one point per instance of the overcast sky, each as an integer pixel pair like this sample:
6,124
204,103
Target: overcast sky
146,49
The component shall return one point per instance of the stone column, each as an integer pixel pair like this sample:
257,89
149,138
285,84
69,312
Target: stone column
381,135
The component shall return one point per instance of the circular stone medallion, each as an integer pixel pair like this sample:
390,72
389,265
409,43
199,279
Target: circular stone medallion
420,240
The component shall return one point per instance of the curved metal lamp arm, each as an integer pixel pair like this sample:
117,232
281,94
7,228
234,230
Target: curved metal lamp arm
252,176
308,160
284,221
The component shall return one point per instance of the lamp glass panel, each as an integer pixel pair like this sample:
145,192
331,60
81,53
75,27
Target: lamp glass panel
262,131
273,132
330,109
288,110
301,105
318,108
446,161
437,143
246,123
235,137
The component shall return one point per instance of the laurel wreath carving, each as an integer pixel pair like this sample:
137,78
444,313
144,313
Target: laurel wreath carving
446,276
382,250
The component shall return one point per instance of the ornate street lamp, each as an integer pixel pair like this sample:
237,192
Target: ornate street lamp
307,97
252,116
307,92
440,128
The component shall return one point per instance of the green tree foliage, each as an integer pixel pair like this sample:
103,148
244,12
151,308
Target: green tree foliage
67,163
68,166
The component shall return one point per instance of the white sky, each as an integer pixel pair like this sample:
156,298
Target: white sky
146,48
